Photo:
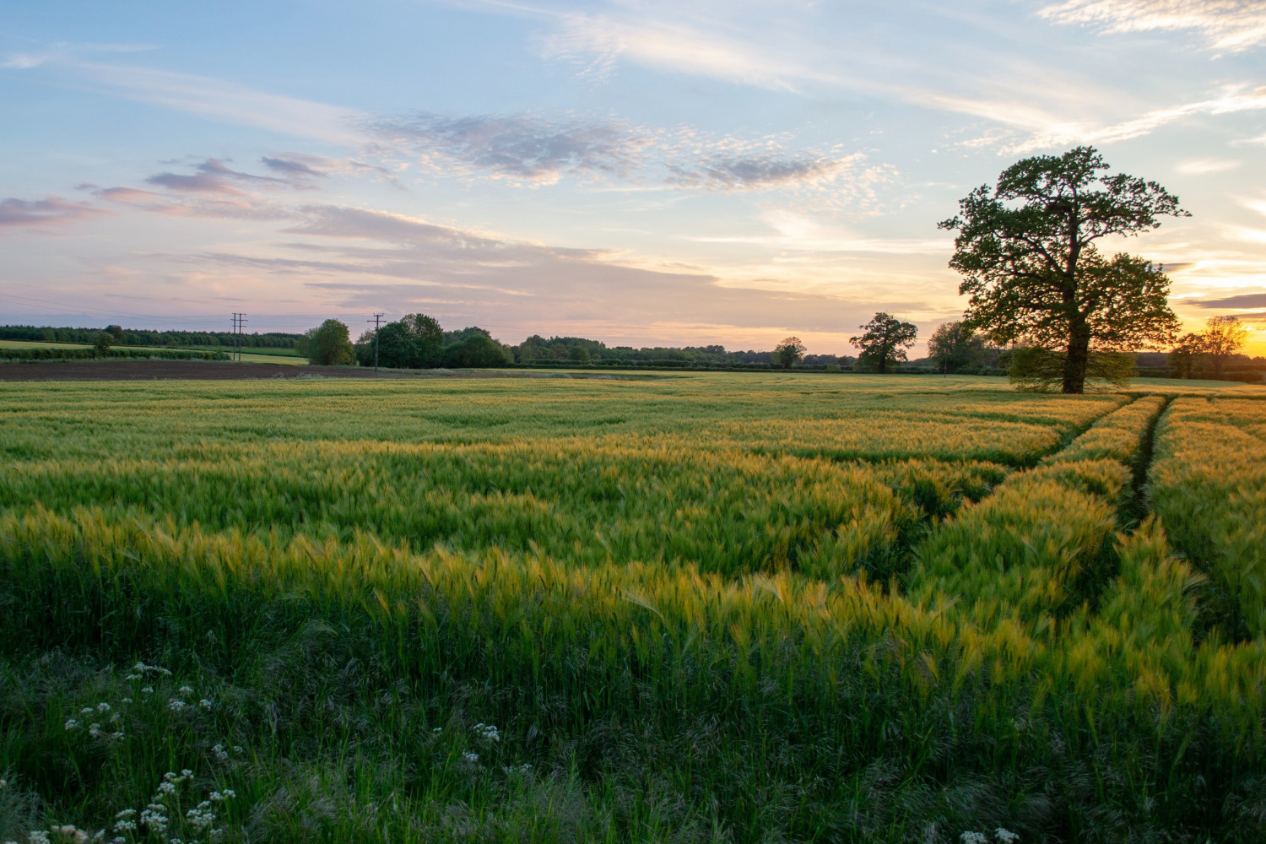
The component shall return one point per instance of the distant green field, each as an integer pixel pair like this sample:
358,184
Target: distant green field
700,607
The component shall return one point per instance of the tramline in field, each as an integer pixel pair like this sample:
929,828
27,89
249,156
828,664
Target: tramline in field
710,607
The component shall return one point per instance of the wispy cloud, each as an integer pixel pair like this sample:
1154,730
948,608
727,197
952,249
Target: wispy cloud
796,232
1204,166
533,149
219,100
733,173
1231,25
39,213
297,167
595,42
1231,100
523,147
61,51
1247,300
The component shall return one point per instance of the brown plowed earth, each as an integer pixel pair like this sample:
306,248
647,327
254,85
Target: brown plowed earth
196,370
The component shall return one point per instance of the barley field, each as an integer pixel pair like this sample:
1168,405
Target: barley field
710,607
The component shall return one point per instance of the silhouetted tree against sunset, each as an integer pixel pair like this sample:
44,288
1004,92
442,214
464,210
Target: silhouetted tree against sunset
789,352
1027,253
884,341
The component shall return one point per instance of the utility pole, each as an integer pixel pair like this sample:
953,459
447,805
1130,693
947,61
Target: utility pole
377,319
239,320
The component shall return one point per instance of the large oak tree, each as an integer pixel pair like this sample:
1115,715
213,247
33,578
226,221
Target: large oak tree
1027,253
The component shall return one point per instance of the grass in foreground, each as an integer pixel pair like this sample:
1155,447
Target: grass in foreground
597,611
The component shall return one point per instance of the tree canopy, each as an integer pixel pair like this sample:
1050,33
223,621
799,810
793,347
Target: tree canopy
1222,338
414,342
477,350
884,341
953,346
1028,256
328,345
789,352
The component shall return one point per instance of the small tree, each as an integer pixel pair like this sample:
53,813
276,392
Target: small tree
328,345
1186,352
101,344
1026,250
1222,337
884,342
789,352
954,346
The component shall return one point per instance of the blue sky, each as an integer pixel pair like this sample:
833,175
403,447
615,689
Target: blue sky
637,172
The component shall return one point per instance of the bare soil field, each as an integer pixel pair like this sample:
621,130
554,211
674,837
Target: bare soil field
181,370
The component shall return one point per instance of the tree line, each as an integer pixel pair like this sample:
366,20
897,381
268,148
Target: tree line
119,336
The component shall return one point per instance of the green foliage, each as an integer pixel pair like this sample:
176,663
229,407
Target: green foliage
142,337
884,342
328,345
414,342
954,346
1027,252
101,344
789,352
476,351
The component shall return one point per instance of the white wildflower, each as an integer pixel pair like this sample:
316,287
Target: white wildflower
155,821
204,703
166,788
470,757
71,723
103,707
176,704
237,748
149,690
126,813
37,836
1006,836
127,700
487,732
186,690
4,783
973,838
94,730
125,826
229,793
201,818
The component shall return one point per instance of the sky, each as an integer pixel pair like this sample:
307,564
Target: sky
639,172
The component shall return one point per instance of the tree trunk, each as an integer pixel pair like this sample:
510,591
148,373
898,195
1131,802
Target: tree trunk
1078,357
